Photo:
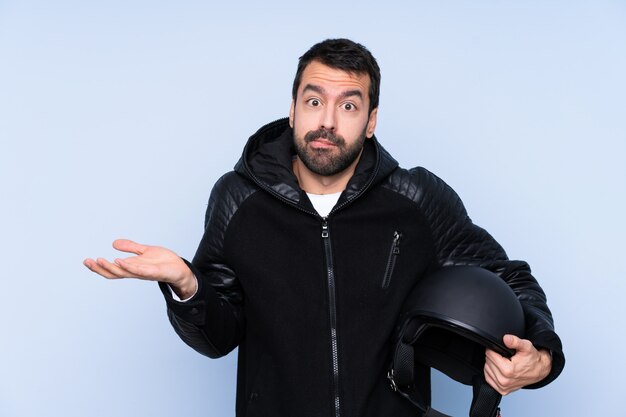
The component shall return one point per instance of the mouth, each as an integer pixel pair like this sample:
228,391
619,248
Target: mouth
321,143
323,139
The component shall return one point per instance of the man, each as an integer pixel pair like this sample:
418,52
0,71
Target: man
311,245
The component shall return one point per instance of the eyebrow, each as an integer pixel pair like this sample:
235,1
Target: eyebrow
344,94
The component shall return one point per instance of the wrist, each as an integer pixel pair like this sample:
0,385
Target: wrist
546,362
187,287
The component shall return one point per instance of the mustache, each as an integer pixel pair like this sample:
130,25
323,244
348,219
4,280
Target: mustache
324,134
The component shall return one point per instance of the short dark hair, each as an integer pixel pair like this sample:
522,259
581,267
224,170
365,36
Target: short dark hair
345,55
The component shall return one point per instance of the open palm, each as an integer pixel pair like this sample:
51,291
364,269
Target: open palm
153,263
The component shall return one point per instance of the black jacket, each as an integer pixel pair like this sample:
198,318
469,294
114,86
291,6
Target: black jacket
312,302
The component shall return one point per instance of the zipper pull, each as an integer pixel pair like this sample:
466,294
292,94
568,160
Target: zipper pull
324,227
396,243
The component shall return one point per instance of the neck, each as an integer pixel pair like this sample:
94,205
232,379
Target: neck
322,184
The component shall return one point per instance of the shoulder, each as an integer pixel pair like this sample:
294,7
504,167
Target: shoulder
421,186
228,193
232,186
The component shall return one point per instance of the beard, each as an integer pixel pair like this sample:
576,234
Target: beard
327,161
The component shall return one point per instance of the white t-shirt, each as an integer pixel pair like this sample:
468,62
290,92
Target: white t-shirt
324,203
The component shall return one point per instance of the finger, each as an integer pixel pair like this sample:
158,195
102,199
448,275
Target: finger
492,355
491,378
502,368
489,370
497,359
498,381
126,245
516,343
115,270
89,263
142,271
94,267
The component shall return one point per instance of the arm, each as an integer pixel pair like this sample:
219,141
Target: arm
213,322
460,242
154,263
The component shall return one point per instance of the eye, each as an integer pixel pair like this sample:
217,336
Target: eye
349,107
313,102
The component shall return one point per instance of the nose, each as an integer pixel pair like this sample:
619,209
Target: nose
328,120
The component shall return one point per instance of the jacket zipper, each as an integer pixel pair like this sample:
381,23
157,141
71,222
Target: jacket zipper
333,312
328,252
331,283
391,261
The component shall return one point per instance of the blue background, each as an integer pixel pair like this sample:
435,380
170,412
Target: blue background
116,117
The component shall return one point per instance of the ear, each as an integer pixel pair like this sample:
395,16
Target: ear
292,112
371,123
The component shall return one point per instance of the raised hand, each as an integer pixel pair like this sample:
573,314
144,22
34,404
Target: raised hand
153,263
526,367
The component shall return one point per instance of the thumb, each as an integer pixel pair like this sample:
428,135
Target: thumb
126,245
516,343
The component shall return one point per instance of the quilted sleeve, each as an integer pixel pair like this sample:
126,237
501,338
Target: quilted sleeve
212,321
458,241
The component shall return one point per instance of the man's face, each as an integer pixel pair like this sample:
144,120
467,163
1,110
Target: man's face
330,118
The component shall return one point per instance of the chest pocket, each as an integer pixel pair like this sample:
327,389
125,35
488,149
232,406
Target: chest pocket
394,253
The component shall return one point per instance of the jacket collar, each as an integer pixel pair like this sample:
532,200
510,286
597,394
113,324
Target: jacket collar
268,155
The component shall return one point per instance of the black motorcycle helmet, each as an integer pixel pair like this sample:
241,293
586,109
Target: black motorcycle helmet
446,323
